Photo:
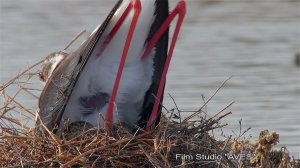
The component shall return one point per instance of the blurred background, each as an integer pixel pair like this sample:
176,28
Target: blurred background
253,41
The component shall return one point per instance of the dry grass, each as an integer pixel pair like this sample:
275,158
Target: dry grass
176,142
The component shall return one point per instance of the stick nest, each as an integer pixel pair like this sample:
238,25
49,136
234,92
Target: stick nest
175,142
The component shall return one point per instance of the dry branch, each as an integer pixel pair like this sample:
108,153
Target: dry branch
20,147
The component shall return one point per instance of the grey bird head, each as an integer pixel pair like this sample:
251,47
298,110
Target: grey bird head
50,63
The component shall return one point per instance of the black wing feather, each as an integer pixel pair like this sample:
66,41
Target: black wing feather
161,48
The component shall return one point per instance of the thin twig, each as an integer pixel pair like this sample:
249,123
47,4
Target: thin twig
176,108
74,39
99,149
151,160
193,115
19,75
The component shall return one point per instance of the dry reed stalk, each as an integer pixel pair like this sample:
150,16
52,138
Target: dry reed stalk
20,147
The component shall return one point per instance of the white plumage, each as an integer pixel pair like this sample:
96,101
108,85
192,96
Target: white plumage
99,74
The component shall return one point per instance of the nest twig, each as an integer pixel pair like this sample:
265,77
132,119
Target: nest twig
175,142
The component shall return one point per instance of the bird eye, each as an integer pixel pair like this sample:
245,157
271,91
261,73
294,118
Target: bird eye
42,76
